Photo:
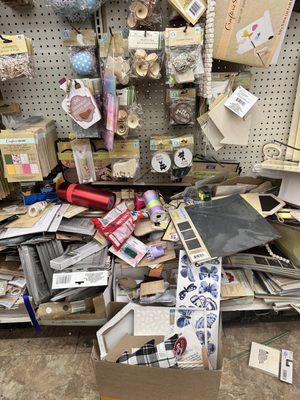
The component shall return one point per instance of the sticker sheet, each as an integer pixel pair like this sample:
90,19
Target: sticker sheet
198,286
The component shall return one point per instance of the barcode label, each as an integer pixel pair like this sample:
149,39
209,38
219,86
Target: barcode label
79,279
240,101
284,374
63,279
200,256
195,9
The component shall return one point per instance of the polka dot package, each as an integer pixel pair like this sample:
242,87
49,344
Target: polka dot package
81,49
83,62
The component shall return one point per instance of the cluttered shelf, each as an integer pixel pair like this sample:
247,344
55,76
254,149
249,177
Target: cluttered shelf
156,187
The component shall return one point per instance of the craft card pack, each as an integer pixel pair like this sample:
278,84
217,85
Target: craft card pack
28,153
198,287
251,32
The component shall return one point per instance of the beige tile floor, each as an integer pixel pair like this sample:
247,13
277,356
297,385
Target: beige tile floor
55,364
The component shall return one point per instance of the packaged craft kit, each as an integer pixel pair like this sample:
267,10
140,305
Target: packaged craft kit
131,219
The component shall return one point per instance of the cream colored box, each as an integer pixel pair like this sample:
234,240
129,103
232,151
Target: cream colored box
251,32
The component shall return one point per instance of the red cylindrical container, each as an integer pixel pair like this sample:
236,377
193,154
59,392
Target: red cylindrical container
86,196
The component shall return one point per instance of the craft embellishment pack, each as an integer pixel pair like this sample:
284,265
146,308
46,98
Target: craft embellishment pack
198,287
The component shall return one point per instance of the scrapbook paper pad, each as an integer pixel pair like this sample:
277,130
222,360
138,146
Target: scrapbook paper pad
230,225
198,287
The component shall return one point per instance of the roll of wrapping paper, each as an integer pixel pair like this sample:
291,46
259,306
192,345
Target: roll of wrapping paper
86,196
154,207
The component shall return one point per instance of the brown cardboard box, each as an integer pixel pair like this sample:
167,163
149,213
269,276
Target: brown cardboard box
251,32
128,382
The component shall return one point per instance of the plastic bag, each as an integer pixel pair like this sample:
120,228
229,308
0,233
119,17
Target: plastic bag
144,13
182,106
146,54
184,55
76,10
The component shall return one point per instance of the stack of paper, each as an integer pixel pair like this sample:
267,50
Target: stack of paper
28,152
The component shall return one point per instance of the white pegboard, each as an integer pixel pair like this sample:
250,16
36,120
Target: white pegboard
274,86
42,94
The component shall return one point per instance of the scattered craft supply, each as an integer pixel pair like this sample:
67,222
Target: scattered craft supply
155,252
138,233
265,358
269,341
35,209
154,207
86,196
206,232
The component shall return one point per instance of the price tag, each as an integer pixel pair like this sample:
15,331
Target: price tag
241,101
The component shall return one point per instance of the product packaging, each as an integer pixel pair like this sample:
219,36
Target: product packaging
125,159
81,48
83,157
146,54
184,55
16,57
251,32
182,106
190,10
79,103
114,56
76,10
144,14
130,112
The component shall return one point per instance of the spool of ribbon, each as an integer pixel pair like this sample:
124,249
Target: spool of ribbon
139,202
154,207
86,196
37,208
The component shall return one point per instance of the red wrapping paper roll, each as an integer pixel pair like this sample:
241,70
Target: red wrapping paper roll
86,196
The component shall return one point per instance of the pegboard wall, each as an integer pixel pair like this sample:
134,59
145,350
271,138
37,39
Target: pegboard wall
41,95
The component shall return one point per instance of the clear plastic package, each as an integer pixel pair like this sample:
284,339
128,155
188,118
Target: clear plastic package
83,157
76,10
125,159
144,13
81,49
16,60
146,54
125,169
184,62
129,118
114,56
182,106
15,66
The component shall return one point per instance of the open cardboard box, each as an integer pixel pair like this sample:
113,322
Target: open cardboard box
128,382
112,307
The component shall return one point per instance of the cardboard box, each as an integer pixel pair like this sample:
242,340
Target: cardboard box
128,382
251,32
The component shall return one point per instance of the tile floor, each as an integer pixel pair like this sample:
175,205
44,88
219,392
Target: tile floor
55,364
